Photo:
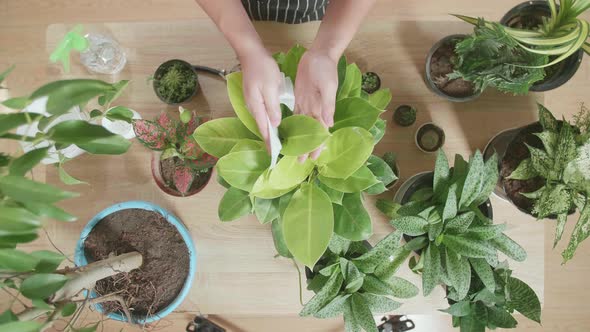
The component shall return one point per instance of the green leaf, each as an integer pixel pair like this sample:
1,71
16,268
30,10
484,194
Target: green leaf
25,326
67,178
368,261
68,309
248,145
291,61
17,103
263,187
450,208
287,173
378,130
362,313
49,211
559,228
279,239
523,299
579,234
547,120
353,278
441,174
468,247
236,97
284,202
25,190
15,219
41,304
234,204
388,208
324,296
65,94
308,223
351,219
301,134
409,225
460,223
355,112
380,304
382,172
509,247
360,180
6,72
110,96
501,318
401,288
333,309
473,181
350,321
92,138
266,210
490,180
48,260
388,268
459,309
524,171
88,328
549,140
432,269
119,113
484,272
42,285
14,120
540,161
345,152
21,165
242,169
7,317
351,86
17,261
459,273
486,232
217,137
380,98
335,195
377,286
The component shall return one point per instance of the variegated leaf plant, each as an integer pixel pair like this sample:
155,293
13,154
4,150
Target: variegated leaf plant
564,164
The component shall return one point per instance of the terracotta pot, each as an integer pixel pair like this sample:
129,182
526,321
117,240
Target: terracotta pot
157,174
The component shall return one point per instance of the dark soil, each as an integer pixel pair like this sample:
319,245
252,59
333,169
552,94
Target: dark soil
515,154
441,64
157,283
168,166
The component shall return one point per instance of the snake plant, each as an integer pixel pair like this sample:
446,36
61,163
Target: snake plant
560,35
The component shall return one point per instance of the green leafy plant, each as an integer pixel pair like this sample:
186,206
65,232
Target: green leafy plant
356,281
404,115
306,202
444,222
491,57
560,35
564,163
46,293
493,308
370,82
175,82
174,138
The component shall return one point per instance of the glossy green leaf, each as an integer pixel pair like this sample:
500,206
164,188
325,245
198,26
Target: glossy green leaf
42,285
382,172
380,98
17,261
242,169
234,204
333,309
351,85
13,120
279,239
324,296
289,172
67,178
119,113
484,272
362,313
335,195
412,226
345,152
468,247
65,94
378,130
21,165
460,223
69,309
7,317
49,211
355,112
248,145
360,180
263,187
16,219
459,273
92,138
266,210
49,261
290,63
236,97
351,219
301,134
25,190
218,137
308,224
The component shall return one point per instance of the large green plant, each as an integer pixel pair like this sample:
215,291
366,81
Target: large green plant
446,224
305,202
25,204
355,281
493,308
564,164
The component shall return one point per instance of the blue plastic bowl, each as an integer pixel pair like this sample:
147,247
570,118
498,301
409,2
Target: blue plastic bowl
80,257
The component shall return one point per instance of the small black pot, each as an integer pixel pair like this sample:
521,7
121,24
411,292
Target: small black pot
563,71
160,72
429,79
371,88
433,130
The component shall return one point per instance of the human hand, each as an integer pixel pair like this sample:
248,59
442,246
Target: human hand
315,90
261,80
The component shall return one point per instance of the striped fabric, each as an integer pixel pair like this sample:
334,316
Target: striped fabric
285,11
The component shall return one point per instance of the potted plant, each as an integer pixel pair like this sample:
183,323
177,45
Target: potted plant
542,29
356,281
404,115
446,217
175,82
179,166
306,202
493,308
545,173
370,82
429,137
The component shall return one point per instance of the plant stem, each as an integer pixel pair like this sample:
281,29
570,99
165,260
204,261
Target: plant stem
18,137
300,287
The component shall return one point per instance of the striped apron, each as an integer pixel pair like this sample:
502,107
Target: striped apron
285,11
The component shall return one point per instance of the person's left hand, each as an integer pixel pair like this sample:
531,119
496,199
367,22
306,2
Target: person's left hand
315,90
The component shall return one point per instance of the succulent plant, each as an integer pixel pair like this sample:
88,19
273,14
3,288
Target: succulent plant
370,82
175,82
404,115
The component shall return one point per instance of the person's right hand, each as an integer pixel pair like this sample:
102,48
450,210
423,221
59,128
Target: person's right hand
261,81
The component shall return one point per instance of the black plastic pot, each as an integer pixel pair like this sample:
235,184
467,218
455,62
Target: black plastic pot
160,72
430,80
436,133
561,72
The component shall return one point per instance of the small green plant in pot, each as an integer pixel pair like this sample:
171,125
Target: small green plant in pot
356,281
305,202
180,167
492,308
175,82
443,220
563,165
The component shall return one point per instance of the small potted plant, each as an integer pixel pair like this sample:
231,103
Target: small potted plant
179,166
429,137
404,115
545,172
446,216
356,281
371,82
305,202
540,29
492,308
175,82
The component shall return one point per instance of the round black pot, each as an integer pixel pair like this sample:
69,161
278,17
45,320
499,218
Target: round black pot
566,69
160,72
429,79
425,129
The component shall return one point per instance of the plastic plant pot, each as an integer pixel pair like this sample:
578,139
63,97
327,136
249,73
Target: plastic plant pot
159,179
81,260
163,69
429,137
560,73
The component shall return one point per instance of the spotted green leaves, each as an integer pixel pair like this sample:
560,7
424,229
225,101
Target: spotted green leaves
324,296
301,134
410,225
345,152
432,269
524,300
217,137
459,273
308,223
